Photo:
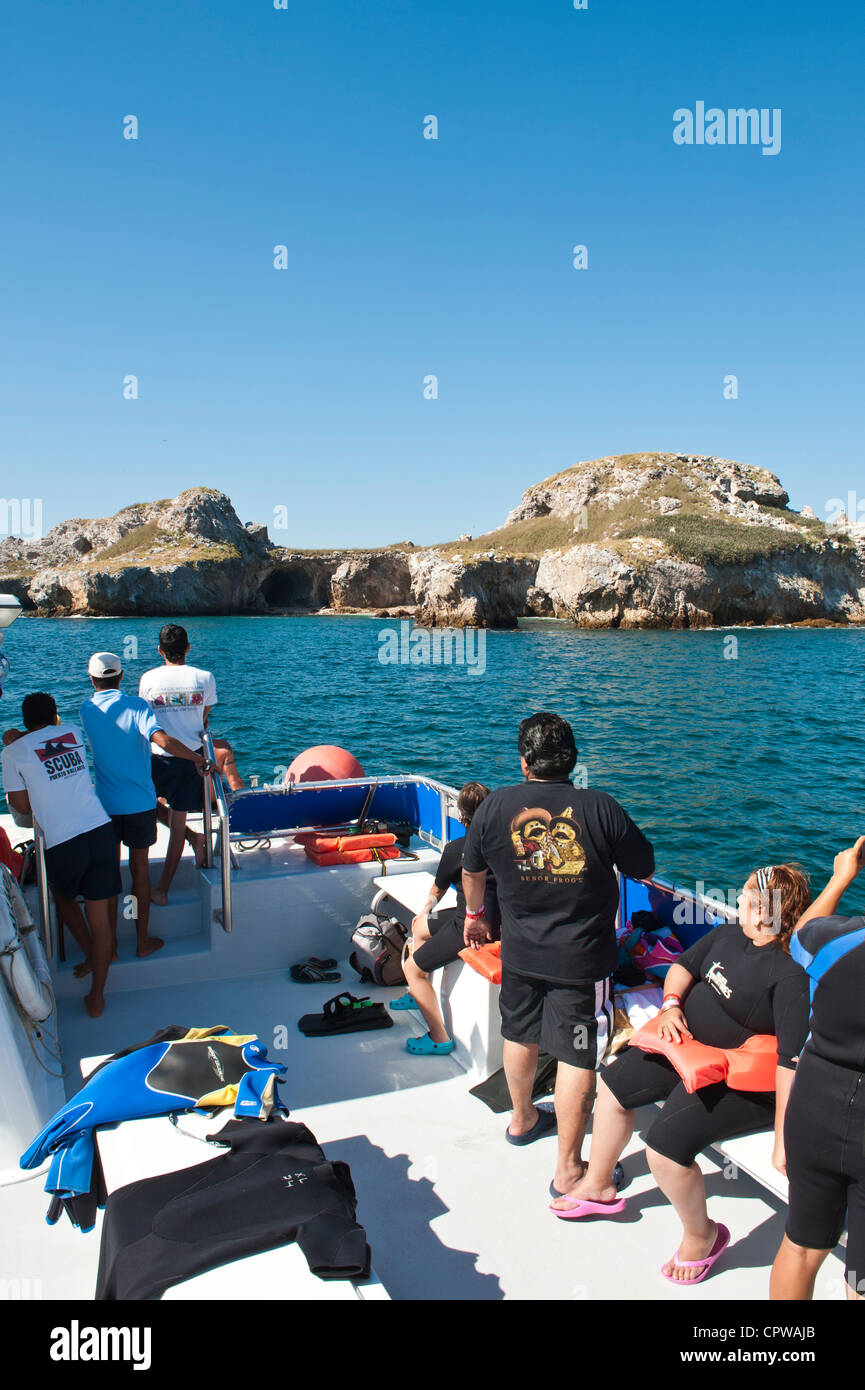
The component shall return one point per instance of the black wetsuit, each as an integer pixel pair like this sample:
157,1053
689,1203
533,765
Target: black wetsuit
272,1187
824,1128
740,989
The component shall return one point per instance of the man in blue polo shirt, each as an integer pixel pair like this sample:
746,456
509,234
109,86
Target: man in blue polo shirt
120,729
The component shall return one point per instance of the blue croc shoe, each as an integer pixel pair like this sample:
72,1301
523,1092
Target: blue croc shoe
427,1048
405,1001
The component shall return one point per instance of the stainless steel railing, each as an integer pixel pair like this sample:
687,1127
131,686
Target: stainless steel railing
215,779
46,926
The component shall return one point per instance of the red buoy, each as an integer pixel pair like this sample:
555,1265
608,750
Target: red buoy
324,763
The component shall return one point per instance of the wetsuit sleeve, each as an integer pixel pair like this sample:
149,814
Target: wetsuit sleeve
473,850
791,1011
333,1243
694,958
335,1247
632,852
805,943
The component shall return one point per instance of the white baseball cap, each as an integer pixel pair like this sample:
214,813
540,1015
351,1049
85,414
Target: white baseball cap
102,664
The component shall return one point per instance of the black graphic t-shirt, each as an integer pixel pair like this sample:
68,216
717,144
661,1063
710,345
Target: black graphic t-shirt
554,849
741,989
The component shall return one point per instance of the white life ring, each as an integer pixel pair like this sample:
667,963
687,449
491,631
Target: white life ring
22,959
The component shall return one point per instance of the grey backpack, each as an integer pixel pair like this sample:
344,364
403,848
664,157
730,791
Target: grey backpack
378,949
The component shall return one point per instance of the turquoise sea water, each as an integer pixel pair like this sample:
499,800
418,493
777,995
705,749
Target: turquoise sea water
725,763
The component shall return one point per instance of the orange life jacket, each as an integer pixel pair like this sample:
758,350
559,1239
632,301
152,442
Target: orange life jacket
326,844
351,856
486,961
751,1067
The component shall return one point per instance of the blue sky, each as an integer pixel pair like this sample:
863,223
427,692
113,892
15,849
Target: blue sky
304,388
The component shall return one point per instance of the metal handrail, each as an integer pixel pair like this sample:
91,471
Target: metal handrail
46,925
224,830
208,817
215,779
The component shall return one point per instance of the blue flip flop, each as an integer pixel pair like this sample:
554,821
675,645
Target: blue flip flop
425,1047
405,1001
618,1182
544,1124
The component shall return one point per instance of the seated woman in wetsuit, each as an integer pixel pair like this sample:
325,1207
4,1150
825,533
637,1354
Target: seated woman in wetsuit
827,1177
736,981
438,940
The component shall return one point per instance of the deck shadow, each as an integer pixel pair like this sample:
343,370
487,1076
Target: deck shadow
397,1212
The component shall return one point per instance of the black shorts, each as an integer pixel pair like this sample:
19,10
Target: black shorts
824,1140
86,866
136,831
445,942
447,939
688,1123
573,1023
178,781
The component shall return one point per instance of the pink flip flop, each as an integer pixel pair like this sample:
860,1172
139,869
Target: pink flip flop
578,1209
722,1240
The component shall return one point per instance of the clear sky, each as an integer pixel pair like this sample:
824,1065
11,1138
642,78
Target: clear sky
303,126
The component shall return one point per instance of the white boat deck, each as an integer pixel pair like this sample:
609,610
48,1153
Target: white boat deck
451,1210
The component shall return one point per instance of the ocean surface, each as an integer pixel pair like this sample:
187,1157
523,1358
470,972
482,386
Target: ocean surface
727,761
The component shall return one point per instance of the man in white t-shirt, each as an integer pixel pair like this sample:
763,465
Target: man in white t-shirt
181,696
45,777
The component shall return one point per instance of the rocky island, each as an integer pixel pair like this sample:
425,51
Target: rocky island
631,541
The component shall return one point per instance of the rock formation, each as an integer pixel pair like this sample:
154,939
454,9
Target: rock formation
638,540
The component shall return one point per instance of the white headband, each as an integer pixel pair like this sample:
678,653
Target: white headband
763,875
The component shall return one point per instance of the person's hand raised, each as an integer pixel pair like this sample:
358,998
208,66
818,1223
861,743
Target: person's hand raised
850,862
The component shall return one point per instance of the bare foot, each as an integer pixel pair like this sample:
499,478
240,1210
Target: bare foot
83,968
153,943
584,1191
691,1249
198,845
158,897
94,1006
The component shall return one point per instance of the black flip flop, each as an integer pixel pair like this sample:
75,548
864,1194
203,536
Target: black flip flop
618,1182
544,1124
304,971
345,1014
310,974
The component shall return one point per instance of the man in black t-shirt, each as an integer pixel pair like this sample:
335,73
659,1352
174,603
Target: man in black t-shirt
553,849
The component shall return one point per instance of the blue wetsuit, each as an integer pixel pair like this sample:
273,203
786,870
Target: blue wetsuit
157,1078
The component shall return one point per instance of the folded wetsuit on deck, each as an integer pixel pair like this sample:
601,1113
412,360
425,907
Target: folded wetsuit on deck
273,1186
205,1068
